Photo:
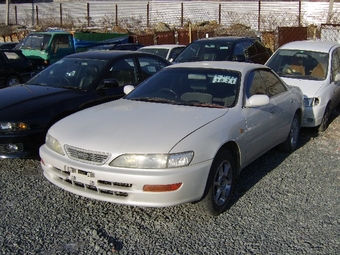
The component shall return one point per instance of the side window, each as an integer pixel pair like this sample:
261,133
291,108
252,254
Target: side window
60,41
149,66
241,48
263,82
175,52
255,84
12,56
123,71
335,63
273,85
260,47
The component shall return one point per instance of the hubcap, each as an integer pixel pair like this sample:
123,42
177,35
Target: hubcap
13,82
222,183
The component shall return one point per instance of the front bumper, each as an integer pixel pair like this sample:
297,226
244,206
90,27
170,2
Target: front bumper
312,116
124,186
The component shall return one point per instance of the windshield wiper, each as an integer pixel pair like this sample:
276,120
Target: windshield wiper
209,105
155,100
70,87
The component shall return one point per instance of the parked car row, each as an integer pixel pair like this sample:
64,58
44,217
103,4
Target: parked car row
131,127
74,83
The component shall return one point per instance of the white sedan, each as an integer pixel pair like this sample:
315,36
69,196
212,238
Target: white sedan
167,51
181,136
314,66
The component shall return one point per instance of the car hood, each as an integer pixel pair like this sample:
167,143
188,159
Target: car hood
20,99
309,87
126,126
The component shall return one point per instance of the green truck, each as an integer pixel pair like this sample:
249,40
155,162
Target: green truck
45,48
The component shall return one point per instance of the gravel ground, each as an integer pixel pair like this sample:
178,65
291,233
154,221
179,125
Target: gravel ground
284,204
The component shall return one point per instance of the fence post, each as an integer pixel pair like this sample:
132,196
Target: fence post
148,15
61,14
32,12
219,13
299,13
16,15
116,15
259,17
37,13
88,14
182,11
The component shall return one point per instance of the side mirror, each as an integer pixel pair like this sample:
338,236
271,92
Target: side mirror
128,89
257,100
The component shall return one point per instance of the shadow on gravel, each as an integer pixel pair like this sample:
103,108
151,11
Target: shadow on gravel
254,172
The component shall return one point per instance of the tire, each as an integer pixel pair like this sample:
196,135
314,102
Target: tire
220,185
290,144
326,118
12,80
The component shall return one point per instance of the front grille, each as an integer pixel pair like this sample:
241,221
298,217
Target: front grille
92,157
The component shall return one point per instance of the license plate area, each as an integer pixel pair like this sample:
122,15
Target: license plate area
81,176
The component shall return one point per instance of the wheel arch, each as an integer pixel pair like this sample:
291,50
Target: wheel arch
233,147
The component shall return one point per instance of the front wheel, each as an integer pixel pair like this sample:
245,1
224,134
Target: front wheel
220,185
12,80
326,118
290,144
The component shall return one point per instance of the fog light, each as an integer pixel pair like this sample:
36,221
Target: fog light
12,147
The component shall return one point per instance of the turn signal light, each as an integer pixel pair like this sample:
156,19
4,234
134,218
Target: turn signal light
162,188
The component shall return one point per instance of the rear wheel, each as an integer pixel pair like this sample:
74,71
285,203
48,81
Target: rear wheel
12,80
290,144
220,185
326,118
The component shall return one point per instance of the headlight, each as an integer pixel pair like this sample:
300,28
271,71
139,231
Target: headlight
53,144
153,161
310,102
13,126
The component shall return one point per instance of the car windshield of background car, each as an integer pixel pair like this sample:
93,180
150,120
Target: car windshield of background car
309,65
205,51
36,41
202,87
68,73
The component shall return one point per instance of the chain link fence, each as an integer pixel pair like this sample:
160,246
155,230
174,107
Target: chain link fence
183,21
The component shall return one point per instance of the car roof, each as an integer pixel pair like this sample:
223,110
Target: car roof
228,38
320,46
50,32
163,46
230,65
108,54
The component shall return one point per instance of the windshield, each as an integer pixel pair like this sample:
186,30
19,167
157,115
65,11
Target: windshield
36,42
73,73
300,64
202,51
200,87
